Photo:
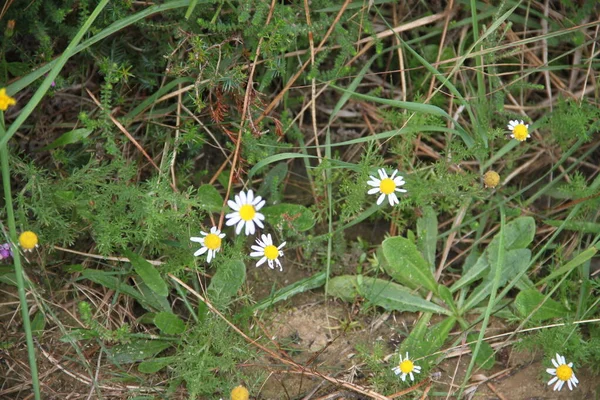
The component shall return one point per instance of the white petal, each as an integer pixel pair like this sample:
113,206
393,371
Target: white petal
281,247
201,251
560,384
412,377
556,364
417,369
196,239
268,240
257,254
551,371
270,263
401,190
238,227
210,256
570,384
259,217
380,199
261,261
222,235
552,381
243,198
232,218
396,370
373,191
279,264
393,174
574,379
403,377
233,205
250,196
250,228
393,199
259,205
214,229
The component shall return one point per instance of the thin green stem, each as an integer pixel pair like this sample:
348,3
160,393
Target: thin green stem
12,230
488,312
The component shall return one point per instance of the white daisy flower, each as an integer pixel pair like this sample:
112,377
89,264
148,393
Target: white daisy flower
406,367
267,250
245,212
211,243
387,186
562,372
519,130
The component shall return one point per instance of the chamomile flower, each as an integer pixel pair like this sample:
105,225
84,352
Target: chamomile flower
519,130
387,186
267,250
406,367
562,372
211,243
5,100
28,241
245,212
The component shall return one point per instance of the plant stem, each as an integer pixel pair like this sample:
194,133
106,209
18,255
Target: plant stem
12,229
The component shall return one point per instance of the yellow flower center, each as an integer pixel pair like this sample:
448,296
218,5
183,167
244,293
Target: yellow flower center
247,212
28,240
564,372
407,366
491,179
212,241
271,252
520,132
240,393
387,186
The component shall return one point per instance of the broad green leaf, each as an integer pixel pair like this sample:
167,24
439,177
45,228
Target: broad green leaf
446,297
209,198
148,273
66,138
38,323
425,339
136,350
427,231
343,287
528,300
226,282
515,261
155,365
437,334
301,286
289,216
392,296
169,323
485,357
477,271
518,233
406,265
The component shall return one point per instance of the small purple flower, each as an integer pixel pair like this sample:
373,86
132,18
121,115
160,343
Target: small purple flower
5,251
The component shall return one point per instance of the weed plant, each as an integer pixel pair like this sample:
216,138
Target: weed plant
170,162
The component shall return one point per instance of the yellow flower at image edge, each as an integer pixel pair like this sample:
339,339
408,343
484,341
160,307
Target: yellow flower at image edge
240,393
28,241
5,100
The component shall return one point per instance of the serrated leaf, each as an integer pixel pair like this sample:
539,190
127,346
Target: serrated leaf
110,281
394,297
226,282
406,265
289,216
528,300
148,273
155,365
209,198
69,137
301,286
169,323
427,231
136,350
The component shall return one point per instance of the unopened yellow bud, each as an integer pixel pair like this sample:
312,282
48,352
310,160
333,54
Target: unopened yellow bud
491,179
